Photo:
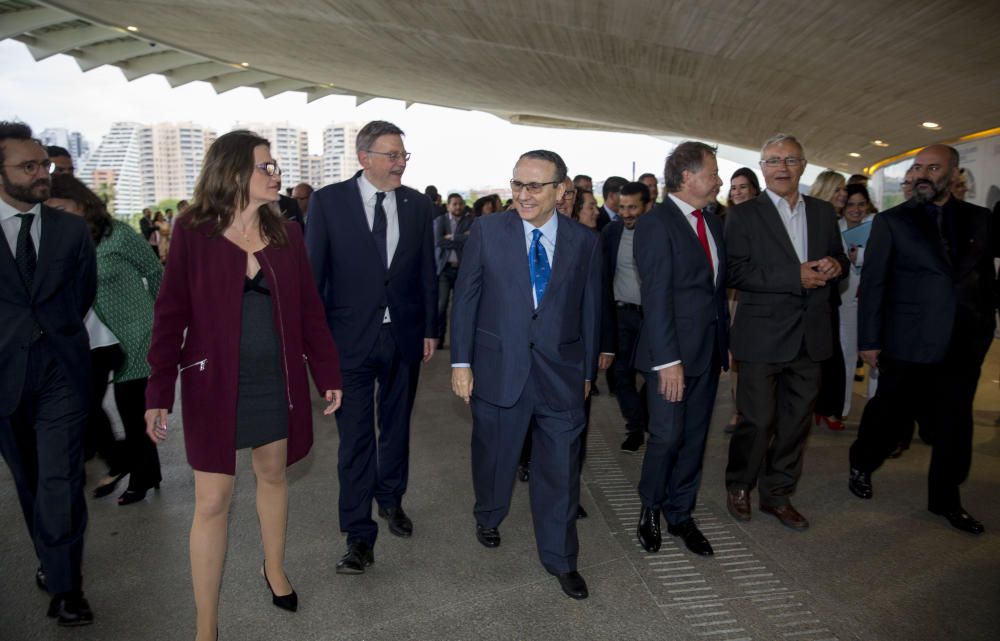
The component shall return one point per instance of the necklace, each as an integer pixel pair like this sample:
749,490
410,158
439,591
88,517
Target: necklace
242,228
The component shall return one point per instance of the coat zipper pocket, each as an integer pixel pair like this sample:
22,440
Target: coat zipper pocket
199,364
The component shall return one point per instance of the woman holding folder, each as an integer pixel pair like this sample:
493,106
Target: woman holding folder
855,225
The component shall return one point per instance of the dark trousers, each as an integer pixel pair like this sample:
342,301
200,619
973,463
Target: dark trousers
940,395
776,401
830,400
525,458
446,284
42,443
632,403
100,437
671,467
369,465
497,436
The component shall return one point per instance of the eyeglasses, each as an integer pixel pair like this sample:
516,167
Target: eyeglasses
533,188
270,168
31,166
788,161
569,193
393,156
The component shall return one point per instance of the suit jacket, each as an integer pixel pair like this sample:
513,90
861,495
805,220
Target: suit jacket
289,208
496,328
914,296
62,293
443,246
685,310
354,284
196,335
611,238
603,219
775,314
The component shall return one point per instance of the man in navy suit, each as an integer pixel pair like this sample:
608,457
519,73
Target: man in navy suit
48,278
371,245
525,330
684,340
450,233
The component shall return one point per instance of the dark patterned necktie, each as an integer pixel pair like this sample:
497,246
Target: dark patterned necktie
380,228
25,255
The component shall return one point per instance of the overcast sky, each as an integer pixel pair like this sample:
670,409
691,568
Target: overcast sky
453,149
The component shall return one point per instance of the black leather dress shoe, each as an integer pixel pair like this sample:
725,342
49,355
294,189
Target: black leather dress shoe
40,580
580,512
399,523
488,536
573,585
359,555
523,473
961,520
649,529
692,537
633,442
860,483
70,609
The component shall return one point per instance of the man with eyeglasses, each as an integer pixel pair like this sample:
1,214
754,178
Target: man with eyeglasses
925,319
48,279
785,255
565,204
524,346
371,245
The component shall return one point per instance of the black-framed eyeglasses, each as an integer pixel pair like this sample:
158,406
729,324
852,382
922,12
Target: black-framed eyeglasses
31,166
393,156
270,168
788,161
533,188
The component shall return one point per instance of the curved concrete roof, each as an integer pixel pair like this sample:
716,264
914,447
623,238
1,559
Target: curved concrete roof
837,75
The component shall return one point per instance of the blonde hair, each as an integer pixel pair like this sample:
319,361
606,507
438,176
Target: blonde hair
827,184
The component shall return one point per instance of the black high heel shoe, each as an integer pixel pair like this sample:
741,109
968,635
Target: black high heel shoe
130,496
106,488
288,602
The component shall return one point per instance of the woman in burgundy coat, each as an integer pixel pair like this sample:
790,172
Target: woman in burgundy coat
239,319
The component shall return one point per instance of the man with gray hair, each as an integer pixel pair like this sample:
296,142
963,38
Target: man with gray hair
785,254
371,245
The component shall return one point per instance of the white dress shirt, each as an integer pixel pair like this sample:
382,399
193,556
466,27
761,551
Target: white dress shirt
368,197
612,215
12,225
548,241
794,221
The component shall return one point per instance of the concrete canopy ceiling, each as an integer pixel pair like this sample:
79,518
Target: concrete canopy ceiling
838,75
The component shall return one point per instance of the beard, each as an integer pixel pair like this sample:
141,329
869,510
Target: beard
34,193
937,189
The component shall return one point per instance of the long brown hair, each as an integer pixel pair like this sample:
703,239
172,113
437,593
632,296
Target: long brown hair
224,187
94,212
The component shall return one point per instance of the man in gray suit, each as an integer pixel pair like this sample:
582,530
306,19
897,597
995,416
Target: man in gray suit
785,253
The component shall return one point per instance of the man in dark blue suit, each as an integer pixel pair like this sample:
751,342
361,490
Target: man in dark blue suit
371,246
684,340
525,329
48,278
450,233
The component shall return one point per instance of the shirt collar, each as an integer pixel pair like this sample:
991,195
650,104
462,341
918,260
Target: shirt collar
548,229
368,190
800,205
685,208
612,215
7,212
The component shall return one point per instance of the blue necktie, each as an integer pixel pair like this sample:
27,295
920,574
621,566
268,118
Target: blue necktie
538,263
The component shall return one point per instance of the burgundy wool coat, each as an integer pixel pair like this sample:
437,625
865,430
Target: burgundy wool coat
196,335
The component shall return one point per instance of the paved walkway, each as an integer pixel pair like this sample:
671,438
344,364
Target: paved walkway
884,569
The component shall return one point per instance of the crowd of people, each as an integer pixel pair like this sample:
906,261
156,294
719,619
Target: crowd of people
249,293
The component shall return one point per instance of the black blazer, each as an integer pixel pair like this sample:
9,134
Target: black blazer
685,310
289,208
611,237
775,314
354,285
64,288
913,297
443,246
603,219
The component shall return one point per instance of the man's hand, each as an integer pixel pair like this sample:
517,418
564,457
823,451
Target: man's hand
604,360
810,277
671,386
461,382
430,344
828,267
586,390
870,356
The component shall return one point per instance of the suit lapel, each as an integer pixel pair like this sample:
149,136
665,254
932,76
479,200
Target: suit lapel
519,251
358,218
681,221
815,232
51,232
407,225
919,217
715,228
772,220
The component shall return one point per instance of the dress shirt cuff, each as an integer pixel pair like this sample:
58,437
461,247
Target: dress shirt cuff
670,364
461,365
607,353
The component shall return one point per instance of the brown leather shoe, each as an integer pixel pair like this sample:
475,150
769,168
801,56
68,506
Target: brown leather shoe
738,503
788,516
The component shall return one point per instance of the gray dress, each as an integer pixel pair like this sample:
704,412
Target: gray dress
261,405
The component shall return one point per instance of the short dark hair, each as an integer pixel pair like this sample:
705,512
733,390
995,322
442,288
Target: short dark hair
431,192
859,179
648,175
373,131
459,196
687,156
858,188
630,189
95,212
548,156
10,130
56,151
582,177
613,185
